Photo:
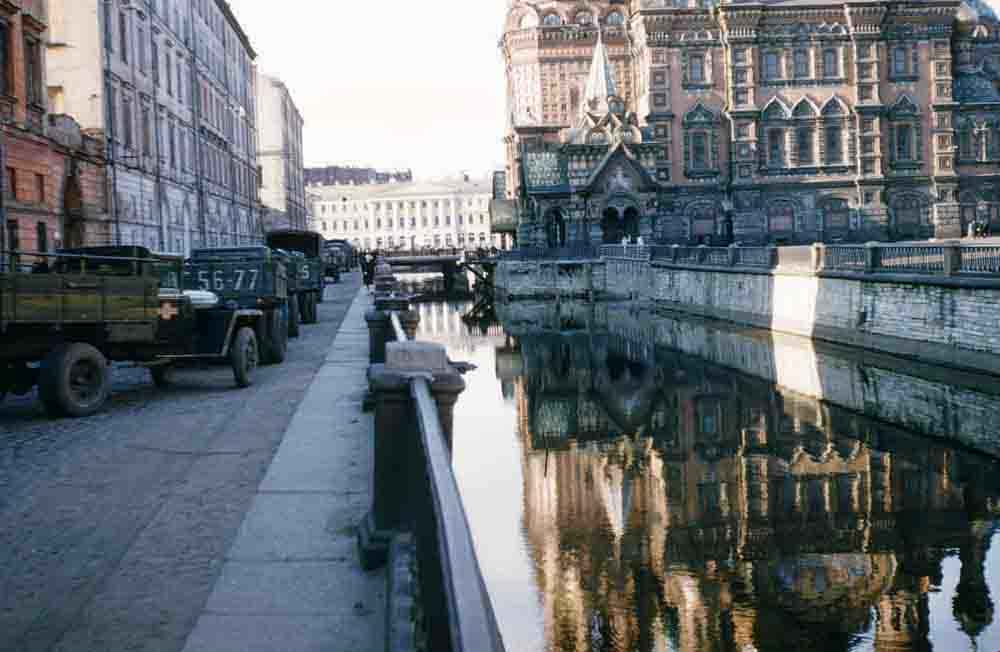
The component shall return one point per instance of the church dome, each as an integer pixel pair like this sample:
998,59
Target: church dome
971,14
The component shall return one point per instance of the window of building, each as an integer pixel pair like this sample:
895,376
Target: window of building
699,151
834,145
615,18
804,138
33,71
801,63
831,64
40,188
180,82
904,142
41,238
771,66
584,18
696,68
140,36
173,147
154,52
127,122
552,20
123,35
13,235
776,148
900,61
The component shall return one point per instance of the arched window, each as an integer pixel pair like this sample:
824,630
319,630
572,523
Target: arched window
584,18
700,142
552,20
614,19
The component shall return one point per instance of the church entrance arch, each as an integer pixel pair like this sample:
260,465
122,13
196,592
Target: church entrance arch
632,223
621,218
555,228
611,226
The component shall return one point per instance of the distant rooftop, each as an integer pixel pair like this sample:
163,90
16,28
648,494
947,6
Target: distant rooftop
347,175
403,190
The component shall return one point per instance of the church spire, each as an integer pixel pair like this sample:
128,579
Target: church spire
601,83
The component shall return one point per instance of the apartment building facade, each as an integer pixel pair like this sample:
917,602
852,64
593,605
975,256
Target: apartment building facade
169,85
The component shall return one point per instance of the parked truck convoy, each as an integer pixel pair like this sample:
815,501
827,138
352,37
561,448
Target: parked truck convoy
307,280
67,315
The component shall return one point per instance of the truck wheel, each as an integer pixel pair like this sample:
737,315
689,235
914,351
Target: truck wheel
309,309
275,345
296,314
244,356
74,381
163,375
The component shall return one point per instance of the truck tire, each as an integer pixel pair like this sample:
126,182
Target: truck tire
309,313
74,381
244,355
274,348
296,314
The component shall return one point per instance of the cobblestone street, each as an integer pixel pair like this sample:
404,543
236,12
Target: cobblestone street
116,526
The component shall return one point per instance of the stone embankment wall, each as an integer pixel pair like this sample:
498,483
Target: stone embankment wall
953,321
921,398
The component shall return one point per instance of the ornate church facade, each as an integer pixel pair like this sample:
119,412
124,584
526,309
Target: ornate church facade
776,121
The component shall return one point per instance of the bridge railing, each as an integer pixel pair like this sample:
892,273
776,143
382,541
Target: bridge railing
418,520
575,252
931,258
418,253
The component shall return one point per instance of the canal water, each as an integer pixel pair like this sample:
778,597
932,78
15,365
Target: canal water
628,496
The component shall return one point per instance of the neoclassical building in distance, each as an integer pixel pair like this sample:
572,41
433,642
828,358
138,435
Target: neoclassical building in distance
406,216
780,121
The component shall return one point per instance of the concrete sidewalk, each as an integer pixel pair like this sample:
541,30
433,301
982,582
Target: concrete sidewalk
291,581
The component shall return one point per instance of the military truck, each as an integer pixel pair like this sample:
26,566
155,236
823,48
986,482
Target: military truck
341,257
67,315
310,280
250,278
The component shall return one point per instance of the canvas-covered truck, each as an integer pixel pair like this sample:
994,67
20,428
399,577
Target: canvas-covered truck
64,317
310,279
250,278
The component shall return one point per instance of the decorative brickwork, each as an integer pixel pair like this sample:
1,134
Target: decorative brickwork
878,121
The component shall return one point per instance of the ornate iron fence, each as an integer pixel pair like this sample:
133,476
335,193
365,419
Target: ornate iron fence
980,259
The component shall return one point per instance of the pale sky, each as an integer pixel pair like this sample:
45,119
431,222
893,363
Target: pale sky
390,83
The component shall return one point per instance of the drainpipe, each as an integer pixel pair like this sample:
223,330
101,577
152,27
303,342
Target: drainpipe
109,139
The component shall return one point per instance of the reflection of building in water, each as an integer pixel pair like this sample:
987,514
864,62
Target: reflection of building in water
442,323
683,506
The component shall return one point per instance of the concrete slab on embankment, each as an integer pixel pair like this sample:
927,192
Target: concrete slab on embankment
292,581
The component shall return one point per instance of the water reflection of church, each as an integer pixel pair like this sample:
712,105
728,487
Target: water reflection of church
681,506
